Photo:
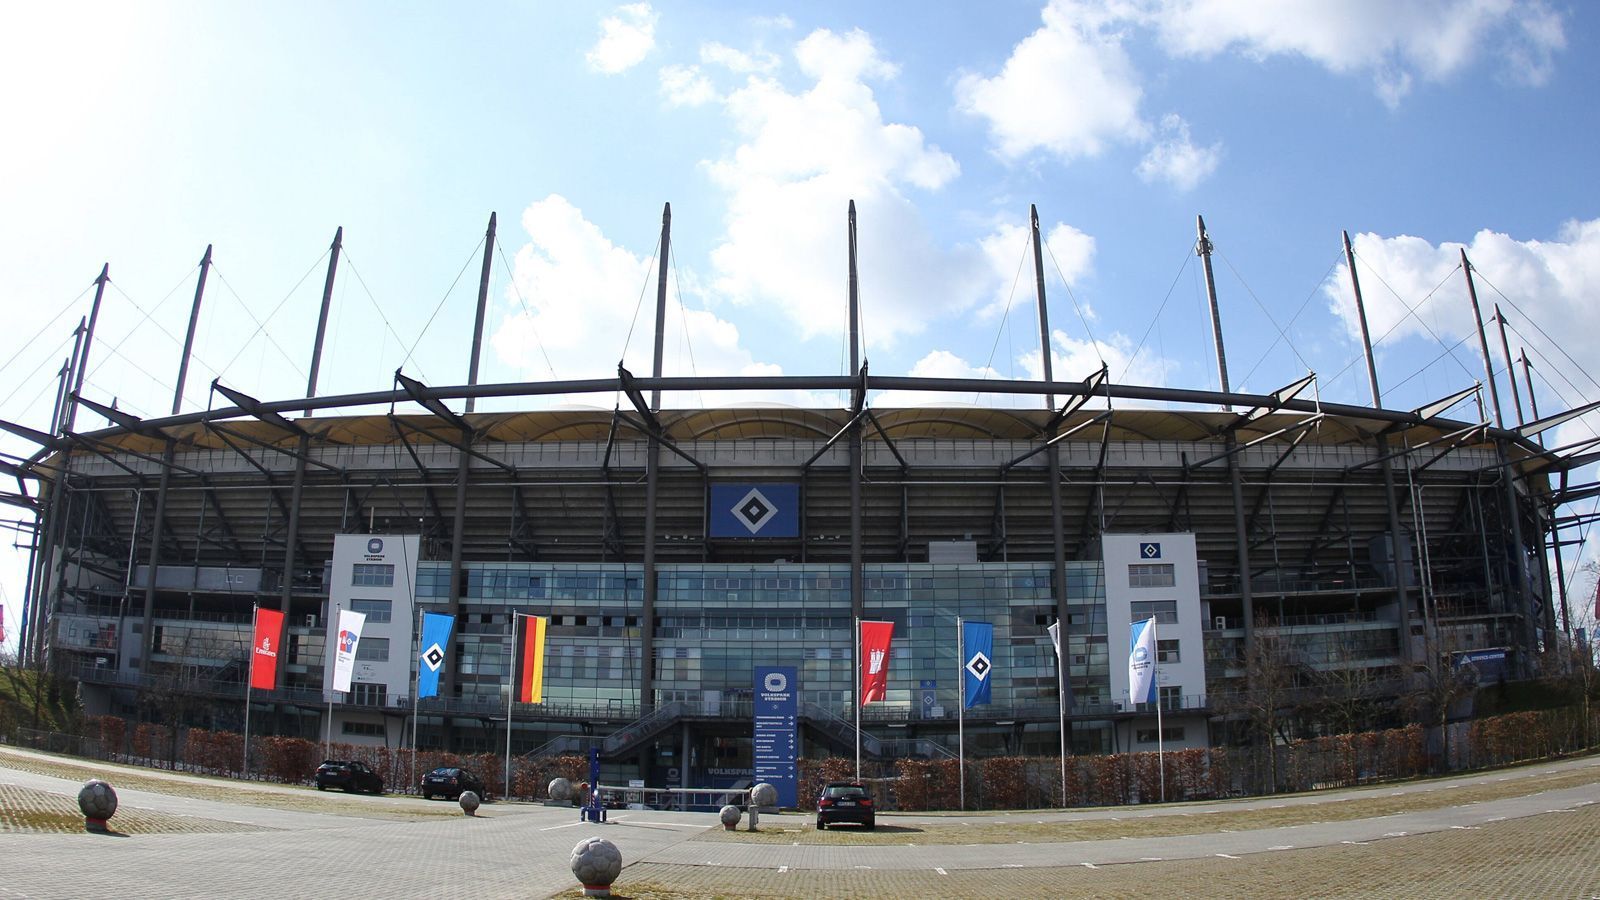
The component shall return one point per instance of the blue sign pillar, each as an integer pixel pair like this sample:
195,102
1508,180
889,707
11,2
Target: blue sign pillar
777,738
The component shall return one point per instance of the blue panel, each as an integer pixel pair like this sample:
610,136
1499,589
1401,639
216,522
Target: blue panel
1149,550
777,741
769,510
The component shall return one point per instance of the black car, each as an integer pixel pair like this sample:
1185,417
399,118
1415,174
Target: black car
347,775
845,801
449,782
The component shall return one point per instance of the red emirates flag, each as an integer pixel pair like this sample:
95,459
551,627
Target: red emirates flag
264,649
875,660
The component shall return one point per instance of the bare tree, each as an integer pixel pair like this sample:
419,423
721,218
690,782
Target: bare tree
1350,691
180,690
1440,680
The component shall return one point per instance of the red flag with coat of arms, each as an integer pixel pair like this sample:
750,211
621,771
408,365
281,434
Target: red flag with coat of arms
875,638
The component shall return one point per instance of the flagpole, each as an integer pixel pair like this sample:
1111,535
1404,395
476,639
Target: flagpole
961,710
416,690
327,741
1155,681
857,695
255,610
1061,698
511,694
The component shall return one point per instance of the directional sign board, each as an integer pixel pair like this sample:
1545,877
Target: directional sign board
777,738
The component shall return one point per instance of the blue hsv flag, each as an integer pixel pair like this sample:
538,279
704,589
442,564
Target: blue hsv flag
435,646
977,644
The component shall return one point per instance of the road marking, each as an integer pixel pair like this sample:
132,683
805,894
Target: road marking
1495,819
1090,866
1150,859
1464,827
667,824
1356,843
1395,833
782,869
940,871
1225,856
1012,866
860,867
554,827
1282,847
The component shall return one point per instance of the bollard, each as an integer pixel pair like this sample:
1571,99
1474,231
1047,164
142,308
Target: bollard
729,816
469,803
98,801
596,862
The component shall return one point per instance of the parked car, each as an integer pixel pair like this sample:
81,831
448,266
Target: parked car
449,782
347,775
845,801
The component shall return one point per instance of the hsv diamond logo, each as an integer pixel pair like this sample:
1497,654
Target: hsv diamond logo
754,510
433,657
1150,550
347,641
979,666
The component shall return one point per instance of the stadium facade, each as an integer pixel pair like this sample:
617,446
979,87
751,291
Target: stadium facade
676,549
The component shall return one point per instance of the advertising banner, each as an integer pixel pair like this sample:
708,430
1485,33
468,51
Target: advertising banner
435,650
344,648
264,648
1142,662
977,641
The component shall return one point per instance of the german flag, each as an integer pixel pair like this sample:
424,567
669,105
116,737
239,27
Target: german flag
530,659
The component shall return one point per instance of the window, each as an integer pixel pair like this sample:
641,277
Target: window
1172,697
372,575
363,694
1167,651
375,649
374,610
1150,575
1148,735
1165,611
365,729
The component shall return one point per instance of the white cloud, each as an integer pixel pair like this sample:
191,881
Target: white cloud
755,62
1069,254
1393,43
686,86
582,302
803,155
626,37
1545,290
1068,88
1176,160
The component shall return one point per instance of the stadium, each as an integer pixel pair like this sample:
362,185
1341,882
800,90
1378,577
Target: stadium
676,550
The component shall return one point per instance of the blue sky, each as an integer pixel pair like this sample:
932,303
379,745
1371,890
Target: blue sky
138,134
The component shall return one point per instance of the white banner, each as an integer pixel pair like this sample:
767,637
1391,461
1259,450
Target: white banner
1142,662
344,648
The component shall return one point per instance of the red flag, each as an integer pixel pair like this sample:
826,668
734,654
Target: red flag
875,660
264,649
530,660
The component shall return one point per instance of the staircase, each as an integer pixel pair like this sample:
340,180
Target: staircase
840,729
632,735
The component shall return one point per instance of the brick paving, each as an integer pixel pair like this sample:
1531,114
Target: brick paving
1533,831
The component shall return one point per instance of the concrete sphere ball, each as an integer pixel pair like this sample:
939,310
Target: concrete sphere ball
469,802
764,795
560,790
596,862
729,816
97,800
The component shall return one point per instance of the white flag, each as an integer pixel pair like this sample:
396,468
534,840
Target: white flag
1055,638
344,648
1142,662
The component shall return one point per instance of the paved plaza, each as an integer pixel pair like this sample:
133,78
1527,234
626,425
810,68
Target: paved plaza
1532,831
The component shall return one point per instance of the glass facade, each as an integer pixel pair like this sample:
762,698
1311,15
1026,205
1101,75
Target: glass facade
716,622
